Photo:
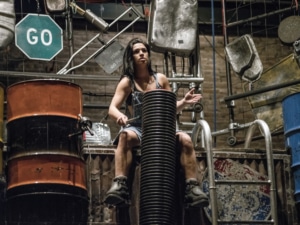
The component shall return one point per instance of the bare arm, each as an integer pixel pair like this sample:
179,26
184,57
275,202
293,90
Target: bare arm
122,91
189,98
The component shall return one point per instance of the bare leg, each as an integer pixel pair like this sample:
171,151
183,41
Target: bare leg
118,193
194,196
187,156
123,154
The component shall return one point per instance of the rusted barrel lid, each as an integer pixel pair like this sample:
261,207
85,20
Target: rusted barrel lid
288,30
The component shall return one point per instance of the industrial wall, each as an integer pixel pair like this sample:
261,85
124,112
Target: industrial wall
98,90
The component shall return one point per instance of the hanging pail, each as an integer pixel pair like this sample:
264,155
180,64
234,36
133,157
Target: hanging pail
101,134
291,118
45,167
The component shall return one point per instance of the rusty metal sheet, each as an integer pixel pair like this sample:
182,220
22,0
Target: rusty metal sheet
267,106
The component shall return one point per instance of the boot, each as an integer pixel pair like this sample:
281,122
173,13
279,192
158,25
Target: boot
118,193
194,196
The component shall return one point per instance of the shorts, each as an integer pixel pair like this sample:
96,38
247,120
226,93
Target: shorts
135,129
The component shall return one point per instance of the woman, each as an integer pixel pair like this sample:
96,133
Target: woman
138,77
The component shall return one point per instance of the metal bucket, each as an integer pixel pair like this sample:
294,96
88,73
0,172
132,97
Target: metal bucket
291,118
101,134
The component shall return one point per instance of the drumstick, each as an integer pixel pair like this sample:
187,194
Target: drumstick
133,119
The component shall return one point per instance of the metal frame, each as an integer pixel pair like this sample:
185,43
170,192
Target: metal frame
207,144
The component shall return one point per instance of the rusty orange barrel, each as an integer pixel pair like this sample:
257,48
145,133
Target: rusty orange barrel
44,160
43,98
46,169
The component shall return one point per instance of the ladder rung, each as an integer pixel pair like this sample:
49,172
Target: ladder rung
246,221
251,182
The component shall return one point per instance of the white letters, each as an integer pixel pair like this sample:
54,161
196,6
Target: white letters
47,33
32,38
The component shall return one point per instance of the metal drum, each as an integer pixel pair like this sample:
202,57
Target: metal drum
43,98
45,167
290,112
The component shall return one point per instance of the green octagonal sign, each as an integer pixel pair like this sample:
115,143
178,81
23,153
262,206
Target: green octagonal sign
38,37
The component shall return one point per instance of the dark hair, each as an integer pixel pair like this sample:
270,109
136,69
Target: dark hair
128,67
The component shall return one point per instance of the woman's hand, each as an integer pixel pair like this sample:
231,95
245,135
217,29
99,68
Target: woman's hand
122,120
191,98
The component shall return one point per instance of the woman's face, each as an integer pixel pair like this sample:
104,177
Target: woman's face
140,54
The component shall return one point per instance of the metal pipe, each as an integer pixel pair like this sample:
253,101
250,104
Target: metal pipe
69,29
232,126
270,164
56,76
194,64
64,69
91,17
255,138
227,67
260,16
261,90
166,64
173,63
88,77
207,139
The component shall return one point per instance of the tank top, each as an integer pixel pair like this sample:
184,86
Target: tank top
135,99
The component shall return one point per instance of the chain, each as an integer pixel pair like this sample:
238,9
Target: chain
38,9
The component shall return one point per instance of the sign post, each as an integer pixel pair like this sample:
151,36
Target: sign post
38,37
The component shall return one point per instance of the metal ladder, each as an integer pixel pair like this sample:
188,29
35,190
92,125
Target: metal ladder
206,138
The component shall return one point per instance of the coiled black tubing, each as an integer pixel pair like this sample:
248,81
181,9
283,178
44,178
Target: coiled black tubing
158,158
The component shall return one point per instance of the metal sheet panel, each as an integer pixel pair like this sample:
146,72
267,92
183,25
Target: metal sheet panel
173,26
